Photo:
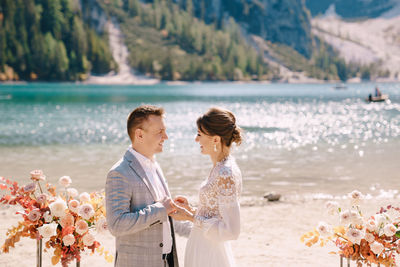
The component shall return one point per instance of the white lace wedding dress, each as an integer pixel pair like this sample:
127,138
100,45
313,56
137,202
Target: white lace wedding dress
217,218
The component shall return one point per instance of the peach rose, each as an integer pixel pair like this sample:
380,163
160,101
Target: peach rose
68,240
81,227
34,215
88,239
73,205
67,220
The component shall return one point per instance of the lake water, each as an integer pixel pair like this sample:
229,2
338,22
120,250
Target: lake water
300,140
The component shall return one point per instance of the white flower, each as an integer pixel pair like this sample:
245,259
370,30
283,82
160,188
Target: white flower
345,217
81,227
37,175
68,240
324,229
371,225
101,225
88,239
380,220
47,217
376,247
389,230
72,192
354,235
369,237
48,230
355,197
332,207
86,211
65,181
58,207
355,218
84,197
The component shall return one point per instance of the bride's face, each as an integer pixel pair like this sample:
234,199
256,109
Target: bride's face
206,142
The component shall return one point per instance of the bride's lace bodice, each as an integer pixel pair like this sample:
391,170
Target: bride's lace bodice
218,211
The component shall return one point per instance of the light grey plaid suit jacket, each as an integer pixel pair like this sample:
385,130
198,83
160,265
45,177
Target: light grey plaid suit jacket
133,216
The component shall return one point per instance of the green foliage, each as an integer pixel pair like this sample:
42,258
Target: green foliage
167,41
48,40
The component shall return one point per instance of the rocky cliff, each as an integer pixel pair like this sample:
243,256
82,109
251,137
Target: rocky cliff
278,21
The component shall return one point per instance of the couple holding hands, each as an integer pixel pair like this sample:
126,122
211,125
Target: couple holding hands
141,213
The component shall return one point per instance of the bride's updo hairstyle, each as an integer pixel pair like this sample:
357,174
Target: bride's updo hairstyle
221,122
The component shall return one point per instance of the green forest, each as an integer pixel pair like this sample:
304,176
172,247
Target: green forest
53,40
48,40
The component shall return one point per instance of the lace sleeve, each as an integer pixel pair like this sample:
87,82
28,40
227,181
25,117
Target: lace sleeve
226,226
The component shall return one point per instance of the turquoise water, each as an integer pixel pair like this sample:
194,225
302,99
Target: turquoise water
299,139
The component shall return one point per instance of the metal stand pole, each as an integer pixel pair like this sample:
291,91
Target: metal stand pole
78,263
39,253
341,261
348,262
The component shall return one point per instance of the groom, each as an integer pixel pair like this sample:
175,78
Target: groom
138,201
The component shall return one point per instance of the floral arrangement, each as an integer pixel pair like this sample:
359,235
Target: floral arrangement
366,240
66,222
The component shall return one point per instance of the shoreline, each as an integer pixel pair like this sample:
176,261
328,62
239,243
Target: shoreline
174,83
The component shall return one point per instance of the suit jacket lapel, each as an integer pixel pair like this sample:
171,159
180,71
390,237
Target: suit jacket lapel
138,169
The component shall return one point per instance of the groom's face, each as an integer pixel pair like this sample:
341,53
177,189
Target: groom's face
154,134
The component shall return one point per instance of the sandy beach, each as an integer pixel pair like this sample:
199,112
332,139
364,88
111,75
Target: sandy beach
270,236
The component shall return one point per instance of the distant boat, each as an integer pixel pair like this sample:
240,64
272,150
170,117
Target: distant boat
340,86
380,98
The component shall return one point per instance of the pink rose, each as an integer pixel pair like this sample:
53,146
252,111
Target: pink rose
73,205
30,187
67,221
37,175
41,198
84,197
68,240
88,239
34,215
81,227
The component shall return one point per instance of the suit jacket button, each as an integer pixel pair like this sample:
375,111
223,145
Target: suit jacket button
161,244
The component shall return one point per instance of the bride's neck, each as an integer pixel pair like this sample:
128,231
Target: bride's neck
219,156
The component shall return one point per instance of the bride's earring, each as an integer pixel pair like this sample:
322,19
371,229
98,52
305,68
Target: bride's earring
215,148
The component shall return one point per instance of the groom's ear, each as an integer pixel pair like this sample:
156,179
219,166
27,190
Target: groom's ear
138,133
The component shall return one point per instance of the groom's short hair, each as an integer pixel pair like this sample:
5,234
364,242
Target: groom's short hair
139,115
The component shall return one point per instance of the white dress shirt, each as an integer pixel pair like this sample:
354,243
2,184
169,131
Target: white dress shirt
150,167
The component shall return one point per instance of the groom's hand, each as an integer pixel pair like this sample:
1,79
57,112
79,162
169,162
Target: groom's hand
169,205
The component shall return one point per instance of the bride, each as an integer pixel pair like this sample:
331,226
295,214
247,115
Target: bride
217,218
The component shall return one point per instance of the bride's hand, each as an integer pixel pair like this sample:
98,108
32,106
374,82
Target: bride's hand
182,202
182,214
